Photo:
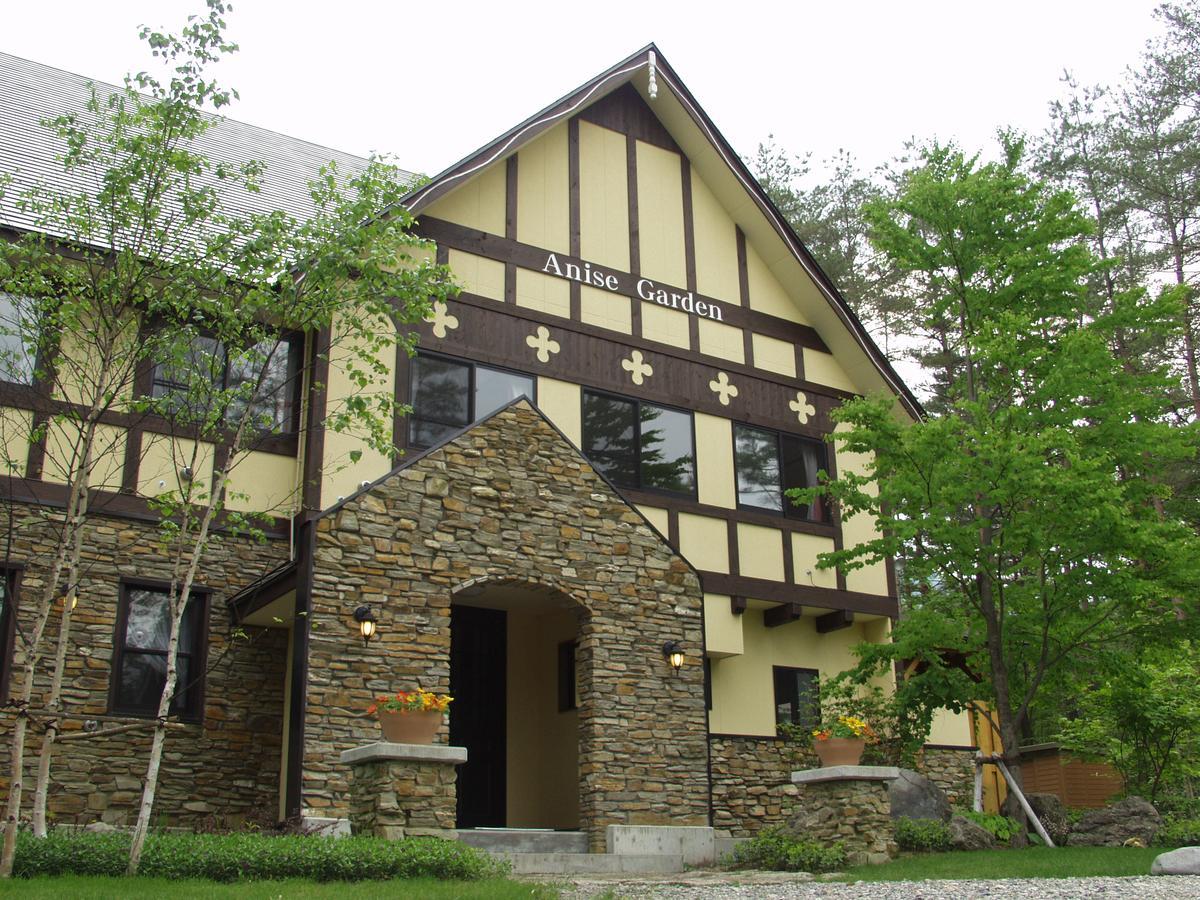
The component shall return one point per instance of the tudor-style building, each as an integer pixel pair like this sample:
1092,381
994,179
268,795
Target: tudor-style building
642,360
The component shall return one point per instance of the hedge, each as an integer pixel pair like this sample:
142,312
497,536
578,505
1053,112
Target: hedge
773,849
252,857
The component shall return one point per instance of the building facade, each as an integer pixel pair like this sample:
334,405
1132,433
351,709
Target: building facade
642,359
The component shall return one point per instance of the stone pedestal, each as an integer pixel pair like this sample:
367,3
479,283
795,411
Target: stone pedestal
403,790
847,804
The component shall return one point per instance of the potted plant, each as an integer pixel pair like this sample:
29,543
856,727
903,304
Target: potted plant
410,717
840,741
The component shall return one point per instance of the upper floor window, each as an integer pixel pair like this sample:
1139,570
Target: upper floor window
450,394
140,657
797,697
769,463
274,404
639,445
16,363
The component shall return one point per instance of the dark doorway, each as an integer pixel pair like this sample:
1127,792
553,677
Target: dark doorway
478,664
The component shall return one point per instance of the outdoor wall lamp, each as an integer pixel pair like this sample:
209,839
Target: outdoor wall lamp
672,652
366,623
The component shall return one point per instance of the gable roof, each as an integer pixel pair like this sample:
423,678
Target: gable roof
711,156
31,92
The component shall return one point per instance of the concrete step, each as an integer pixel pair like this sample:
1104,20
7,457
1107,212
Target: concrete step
525,840
592,864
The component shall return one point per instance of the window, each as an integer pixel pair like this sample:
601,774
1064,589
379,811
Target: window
275,408
797,697
639,445
450,394
16,363
769,463
8,611
140,661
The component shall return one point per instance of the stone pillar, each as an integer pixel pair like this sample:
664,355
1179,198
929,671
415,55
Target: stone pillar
403,790
848,804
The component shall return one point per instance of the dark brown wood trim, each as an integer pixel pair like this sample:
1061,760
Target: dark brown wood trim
965,748
262,592
834,621
836,515
782,615
573,210
890,567
798,594
737,605
635,244
625,111
673,529
789,564
35,460
744,296
306,547
131,467
510,198
689,245
403,374
314,432
527,256
733,516
731,535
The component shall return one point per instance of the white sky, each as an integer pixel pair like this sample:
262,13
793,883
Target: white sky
431,82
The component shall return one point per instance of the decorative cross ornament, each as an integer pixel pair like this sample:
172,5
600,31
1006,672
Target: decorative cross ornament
441,319
542,344
802,408
637,367
722,388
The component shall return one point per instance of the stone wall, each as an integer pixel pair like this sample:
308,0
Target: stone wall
853,811
511,501
751,783
226,767
403,790
952,769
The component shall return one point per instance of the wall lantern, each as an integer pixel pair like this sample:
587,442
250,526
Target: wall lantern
366,623
672,652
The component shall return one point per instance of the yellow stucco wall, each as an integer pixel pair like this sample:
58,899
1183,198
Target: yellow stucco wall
725,341
543,743
162,460
478,203
859,529
15,429
543,200
760,551
666,326
714,461
766,293
722,628
478,274
743,686
63,442
603,197
269,483
543,293
704,541
604,309
660,214
657,517
805,549
562,404
716,246
774,355
951,729
822,368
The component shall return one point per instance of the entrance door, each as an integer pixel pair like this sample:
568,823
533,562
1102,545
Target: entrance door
478,665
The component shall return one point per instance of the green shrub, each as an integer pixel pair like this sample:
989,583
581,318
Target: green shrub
252,857
1175,806
1002,828
922,834
772,849
1179,833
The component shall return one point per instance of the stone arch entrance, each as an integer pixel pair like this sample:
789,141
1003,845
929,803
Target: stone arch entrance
513,671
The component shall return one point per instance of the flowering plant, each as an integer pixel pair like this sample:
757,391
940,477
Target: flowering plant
411,701
845,727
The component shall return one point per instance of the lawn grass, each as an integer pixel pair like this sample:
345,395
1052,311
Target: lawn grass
1031,862
78,887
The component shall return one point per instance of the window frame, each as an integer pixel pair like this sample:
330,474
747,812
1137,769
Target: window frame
11,574
795,719
786,505
472,417
295,341
194,712
637,418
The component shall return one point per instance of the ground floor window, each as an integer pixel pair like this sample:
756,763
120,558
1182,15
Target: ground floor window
449,394
8,623
797,697
769,463
140,653
639,445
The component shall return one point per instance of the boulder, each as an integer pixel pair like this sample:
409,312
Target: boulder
1112,826
1052,814
913,796
99,827
966,835
1184,861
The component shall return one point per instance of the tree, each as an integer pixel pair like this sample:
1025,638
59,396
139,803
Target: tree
208,295
1024,509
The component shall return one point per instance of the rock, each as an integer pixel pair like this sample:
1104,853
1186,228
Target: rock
1112,826
1052,814
105,828
914,796
966,835
1184,861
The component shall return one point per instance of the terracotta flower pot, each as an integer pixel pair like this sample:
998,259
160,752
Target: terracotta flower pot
840,751
410,726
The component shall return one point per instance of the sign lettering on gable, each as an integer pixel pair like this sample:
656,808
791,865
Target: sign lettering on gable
623,283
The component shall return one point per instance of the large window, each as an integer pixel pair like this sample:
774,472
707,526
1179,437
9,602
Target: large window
450,394
140,657
769,463
16,363
273,403
797,700
639,445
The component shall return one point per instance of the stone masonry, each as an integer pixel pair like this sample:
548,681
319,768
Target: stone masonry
512,501
751,783
225,768
953,770
403,790
854,811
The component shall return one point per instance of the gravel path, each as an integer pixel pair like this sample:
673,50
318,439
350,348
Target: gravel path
754,886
